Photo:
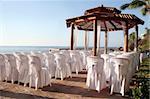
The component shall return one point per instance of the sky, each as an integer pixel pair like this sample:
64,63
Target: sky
42,22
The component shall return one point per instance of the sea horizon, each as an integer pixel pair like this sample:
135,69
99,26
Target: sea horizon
10,49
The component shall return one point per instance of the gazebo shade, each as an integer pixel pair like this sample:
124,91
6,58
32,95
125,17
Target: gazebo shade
104,19
111,19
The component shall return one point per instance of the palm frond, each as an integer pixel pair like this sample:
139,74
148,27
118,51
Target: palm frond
124,6
136,4
144,11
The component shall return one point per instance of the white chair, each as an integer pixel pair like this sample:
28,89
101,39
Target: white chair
134,59
45,72
115,53
2,68
119,74
67,62
60,67
76,64
41,56
35,71
23,68
85,54
50,63
11,68
107,66
67,55
95,71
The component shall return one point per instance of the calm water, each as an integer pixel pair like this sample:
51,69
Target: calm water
10,49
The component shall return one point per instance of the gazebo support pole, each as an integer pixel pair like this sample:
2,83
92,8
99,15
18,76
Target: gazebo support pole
126,37
72,38
106,42
95,36
85,40
98,35
136,38
106,39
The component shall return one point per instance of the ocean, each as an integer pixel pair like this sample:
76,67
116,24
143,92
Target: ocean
11,49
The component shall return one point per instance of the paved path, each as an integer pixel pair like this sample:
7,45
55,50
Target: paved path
70,88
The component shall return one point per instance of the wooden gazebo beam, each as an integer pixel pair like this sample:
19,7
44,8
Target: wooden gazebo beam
113,25
101,29
114,17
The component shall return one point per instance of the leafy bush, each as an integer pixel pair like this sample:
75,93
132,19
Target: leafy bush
140,88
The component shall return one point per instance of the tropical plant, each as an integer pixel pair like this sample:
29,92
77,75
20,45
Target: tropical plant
131,41
145,41
139,87
143,4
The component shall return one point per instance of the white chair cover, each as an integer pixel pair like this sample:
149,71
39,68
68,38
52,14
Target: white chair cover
2,68
61,66
115,53
11,68
23,68
76,64
41,56
84,54
67,61
45,75
95,73
35,71
107,66
44,70
50,63
119,74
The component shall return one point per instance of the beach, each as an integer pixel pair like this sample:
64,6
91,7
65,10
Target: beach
69,88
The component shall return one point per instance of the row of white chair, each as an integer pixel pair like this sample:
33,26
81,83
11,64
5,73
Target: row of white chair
122,67
37,68
116,69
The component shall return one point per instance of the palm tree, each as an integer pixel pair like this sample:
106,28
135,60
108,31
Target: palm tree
143,4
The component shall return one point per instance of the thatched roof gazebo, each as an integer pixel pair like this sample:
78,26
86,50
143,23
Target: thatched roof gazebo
104,19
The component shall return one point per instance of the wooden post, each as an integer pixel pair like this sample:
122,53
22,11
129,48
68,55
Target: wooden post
95,36
85,40
72,38
136,38
126,37
106,39
98,35
106,43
